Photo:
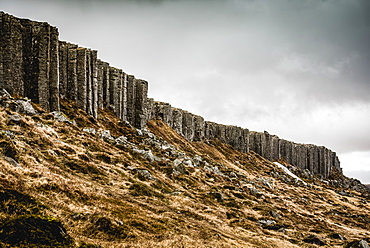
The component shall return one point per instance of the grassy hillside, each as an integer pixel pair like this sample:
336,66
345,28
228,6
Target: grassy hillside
68,182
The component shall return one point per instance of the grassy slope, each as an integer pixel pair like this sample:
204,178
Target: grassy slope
94,189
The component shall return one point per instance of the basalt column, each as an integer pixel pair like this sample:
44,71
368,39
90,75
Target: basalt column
117,91
199,128
177,120
29,59
237,137
141,93
72,89
99,79
163,111
41,33
94,83
106,84
210,130
123,93
188,125
131,95
91,82
54,69
81,78
150,115
88,83
42,73
63,65
11,69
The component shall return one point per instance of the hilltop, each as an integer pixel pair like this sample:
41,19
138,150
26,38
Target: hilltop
70,180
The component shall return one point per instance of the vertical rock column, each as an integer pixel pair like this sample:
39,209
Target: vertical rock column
72,90
30,65
12,54
94,83
188,125
91,83
54,69
124,96
257,142
312,158
150,109
140,103
99,79
116,91
177,120
106,84
41,34
163,111
81,78
63,65
275,144
221,133
237,137
210,130
131,95
199,128
89,93
118,102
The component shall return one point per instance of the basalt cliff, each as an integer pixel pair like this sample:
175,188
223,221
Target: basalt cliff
35,64
87,160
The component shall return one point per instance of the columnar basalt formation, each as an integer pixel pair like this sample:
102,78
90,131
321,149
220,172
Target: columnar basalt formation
29,60
35,64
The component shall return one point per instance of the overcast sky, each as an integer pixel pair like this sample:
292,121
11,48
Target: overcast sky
297,69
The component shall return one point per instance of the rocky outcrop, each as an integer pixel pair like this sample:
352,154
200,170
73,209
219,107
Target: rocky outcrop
317,159
36,65
29,60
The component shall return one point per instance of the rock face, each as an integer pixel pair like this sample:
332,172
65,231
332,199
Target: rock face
36,65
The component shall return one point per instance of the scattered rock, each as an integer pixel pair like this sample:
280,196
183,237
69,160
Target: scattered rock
22,106
139,132
11,161
197,160
147,155
358,244
180,169
265,222
213,169
336,236
59,116
8,133
274,214
188,163
105,135
344,193
271,225
363,244
145,175
313,239
176,162
253,191
216,195
15,118
89,130
266,182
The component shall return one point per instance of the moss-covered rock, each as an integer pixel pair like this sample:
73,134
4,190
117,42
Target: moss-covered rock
34,230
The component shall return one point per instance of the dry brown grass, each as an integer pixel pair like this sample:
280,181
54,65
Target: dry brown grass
86,183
